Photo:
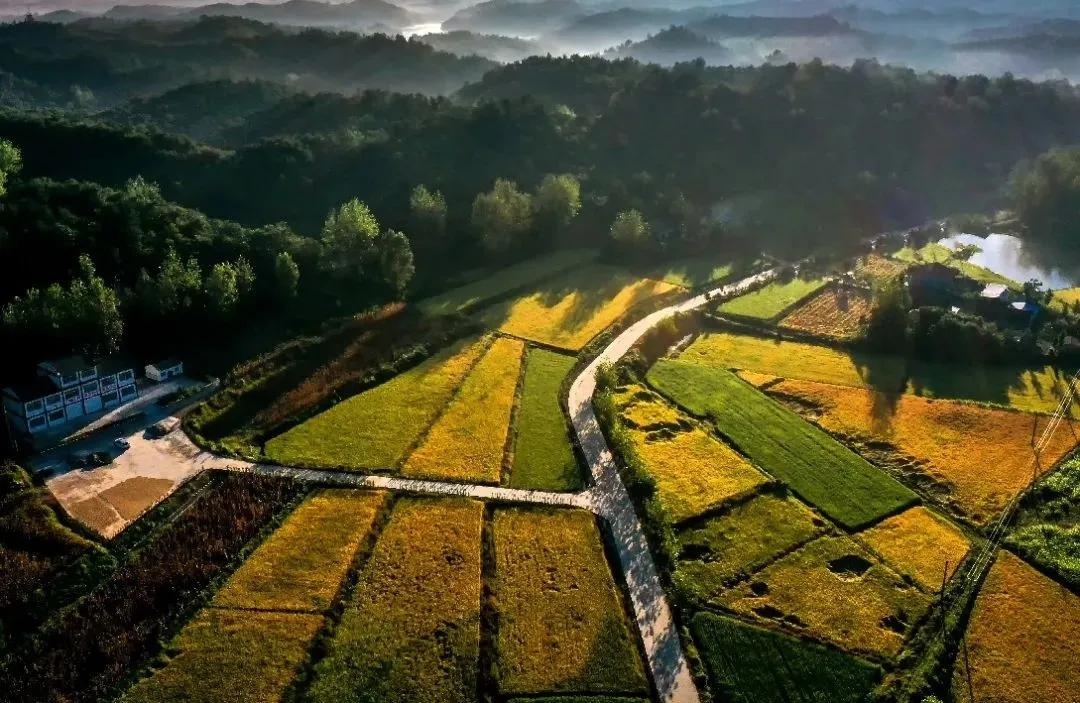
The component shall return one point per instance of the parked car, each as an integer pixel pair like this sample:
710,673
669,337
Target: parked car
100,458
164,427
122,444
79,460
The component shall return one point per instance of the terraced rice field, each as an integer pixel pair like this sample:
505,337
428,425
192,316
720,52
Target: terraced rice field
468,440
738,542
570,310
772,300
1027,389
819,469
833,590
543,457
980,457
919,544
506,280
835,313
411,630
562,626
1022,643
301,566
694,471
375,429
753,665
691,273
253,656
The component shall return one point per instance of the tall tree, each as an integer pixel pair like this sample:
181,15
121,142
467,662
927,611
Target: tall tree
557,202
10,163
286,276
630,230
428,210
222,289
349,240
396,261
502,216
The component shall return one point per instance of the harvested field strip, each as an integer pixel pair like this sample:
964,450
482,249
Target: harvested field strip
375,429
875,269
142,599
919,544
731,546
1022,643
467,442
819,469
253,656
570,310
748,664
796,360
694,471
837,313
982,456
543,457
833,590
506,280
411,630
301,566
562,625
772,300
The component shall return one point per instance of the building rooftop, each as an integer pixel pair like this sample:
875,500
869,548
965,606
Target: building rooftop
32,389
994,290
165,363
68,365
114,364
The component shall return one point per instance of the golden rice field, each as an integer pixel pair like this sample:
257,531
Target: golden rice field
919,544
694,471
739,541
467,442
572,309
795,360
562,625
239,655
833,590
983,456
835,313
411,630
1022,639
374,430
875,269
301,565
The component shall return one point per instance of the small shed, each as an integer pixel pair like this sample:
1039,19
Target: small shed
164,370
996,291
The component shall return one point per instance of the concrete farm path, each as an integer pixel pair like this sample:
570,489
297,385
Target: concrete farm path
606,497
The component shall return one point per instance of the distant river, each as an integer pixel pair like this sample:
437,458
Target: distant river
1004,254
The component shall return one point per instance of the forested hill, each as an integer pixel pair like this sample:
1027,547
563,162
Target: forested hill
845,151
95,63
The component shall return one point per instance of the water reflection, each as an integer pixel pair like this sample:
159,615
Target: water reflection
1006,255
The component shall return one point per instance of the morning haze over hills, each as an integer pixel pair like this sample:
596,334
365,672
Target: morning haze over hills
552,351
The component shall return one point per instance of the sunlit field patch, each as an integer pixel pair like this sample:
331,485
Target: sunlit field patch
253,656
919,544
876,269
562,626
820,470
467,442
834,590
837,313
411,631
543,457
375,429
981,456
754,665
737,542
1035,390
772,300
691,273
694,471
506,280
935,253
302,564
572,309
1022,640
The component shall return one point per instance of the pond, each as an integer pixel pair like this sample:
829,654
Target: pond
1005,254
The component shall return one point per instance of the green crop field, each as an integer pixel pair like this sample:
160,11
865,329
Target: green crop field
411,631
1047,531
562,627
819,469
374,430
239,655
935,253
505,281
747,664
772,300
543,457
691,273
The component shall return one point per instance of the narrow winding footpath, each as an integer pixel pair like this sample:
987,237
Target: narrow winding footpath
607,497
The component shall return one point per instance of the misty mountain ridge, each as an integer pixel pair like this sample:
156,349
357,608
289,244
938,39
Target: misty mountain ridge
671,46
297,12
